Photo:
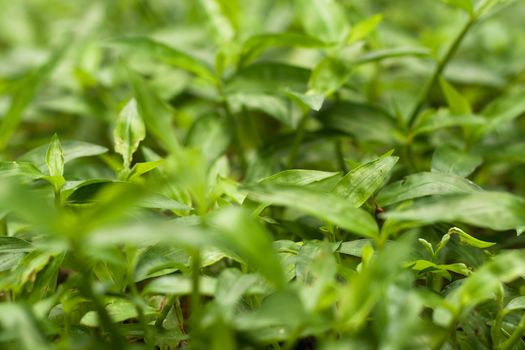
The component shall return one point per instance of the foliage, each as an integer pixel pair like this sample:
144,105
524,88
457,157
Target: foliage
285,174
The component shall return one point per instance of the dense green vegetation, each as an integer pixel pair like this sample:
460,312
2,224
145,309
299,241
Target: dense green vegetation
286,174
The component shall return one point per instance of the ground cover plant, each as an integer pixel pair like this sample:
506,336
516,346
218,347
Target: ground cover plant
286,174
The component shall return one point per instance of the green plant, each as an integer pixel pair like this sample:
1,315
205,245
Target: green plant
226,174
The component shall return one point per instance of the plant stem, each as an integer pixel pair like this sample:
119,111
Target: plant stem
299,134
340,157
515,336
438,70
195,301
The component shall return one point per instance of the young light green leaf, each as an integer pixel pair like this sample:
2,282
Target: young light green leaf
363,28
456,102
325,206
55,157
424,184
468,239
449,160
361,183
495,210
517,303
431,121
154,111
428,247
324,19
129,132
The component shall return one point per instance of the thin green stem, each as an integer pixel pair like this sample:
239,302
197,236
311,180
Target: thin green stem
340,156
298,139
443,62
195,301
515,336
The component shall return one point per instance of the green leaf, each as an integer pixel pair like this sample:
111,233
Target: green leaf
517,303
468,239
219,21
495,210
268,78
481,286
71,149
167,55
240,232
431,121
19,326
180,285
256,44
12,250
24,94
465,5
456,102
325,206
329,75
119,310
142,168
211,135
363,28
309,100
424,184
300,177
129,132
355,247
324,19
362,182
449,160
55,162
276,107
504,110
154,111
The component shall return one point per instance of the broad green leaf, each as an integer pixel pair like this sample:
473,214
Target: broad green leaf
329,75
129,132
362,121
12,250
481,286
363,28
362,182
19,326
22,169
468,239
485,6
355,247
431,121
180,285
517,303
268,78
257,44
210,134
449,160
495,210
424,184
325,206
276,107
24,94
456,102
71,149
119,310
240,232
324,19
504,109
167,55
299,177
